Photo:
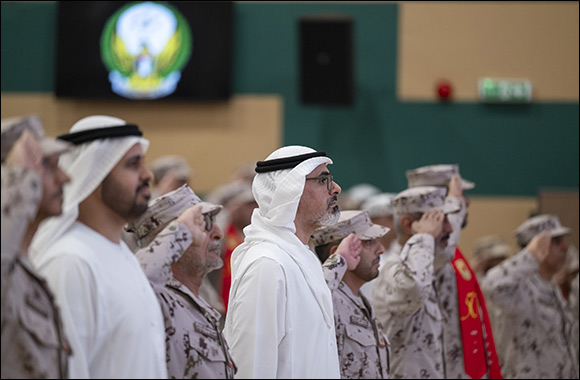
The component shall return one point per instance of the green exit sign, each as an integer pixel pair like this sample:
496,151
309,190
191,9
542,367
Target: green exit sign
505,90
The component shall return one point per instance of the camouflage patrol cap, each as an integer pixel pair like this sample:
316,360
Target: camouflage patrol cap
166,208
351,221
163,165
435,175
533,226
491,247
235,192
356,195
13,127
422,199
379,205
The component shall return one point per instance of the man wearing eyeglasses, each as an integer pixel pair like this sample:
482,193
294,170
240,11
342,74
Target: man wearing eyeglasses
180,245
280,321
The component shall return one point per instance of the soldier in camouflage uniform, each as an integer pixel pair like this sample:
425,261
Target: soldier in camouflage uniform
177,253
536,327
33,342
363,349
468,346
405,298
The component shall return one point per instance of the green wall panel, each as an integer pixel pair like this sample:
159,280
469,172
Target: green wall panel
505,149
28,46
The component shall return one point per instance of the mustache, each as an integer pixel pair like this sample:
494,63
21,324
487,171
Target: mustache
58,193
334,198
144,184
215,247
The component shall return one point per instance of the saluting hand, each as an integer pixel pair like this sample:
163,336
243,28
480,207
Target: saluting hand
193,219
26,153
350,248
539,246
430,223
455,188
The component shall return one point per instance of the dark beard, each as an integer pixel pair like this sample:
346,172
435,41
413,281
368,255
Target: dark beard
113,196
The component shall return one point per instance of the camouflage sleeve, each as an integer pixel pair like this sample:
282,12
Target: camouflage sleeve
456,220
408,279
334,269
167,247
339,328
21,194
505,283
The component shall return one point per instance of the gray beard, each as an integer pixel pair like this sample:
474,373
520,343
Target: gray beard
329,218
442,256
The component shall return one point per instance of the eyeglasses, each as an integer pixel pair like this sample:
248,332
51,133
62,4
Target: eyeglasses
209,220
324,178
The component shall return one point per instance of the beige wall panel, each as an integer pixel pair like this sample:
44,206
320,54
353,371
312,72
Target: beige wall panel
464,42
495,216
565,204
215,138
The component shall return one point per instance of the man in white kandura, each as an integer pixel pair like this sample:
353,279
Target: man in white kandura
111,315
280,321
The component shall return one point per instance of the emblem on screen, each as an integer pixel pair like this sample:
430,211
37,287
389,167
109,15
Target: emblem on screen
145,46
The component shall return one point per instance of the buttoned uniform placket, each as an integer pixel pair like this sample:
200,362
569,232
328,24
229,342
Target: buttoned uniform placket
366,309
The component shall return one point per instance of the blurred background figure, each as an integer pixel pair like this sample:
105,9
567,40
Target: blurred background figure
566,275
170,173
239,204
380,210
567,279
489,251
353,198
245,172
533,325
33,342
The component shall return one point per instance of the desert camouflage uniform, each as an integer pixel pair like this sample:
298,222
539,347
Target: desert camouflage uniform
573,304
418,308
196,347
33,342
363,349
446,285
535,338
407,306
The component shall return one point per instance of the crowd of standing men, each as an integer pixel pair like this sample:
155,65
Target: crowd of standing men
103,277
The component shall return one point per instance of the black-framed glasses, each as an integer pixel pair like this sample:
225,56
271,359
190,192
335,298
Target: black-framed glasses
209,220
324,178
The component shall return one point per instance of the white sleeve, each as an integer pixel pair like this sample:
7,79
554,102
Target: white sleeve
255,324
75,290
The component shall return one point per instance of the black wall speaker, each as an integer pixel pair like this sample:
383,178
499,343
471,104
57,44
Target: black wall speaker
326,62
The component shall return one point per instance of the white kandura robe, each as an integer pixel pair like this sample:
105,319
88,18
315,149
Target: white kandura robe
111,315
280,321
274,325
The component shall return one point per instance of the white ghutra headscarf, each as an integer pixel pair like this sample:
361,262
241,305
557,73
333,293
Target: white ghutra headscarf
278,194
87,164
